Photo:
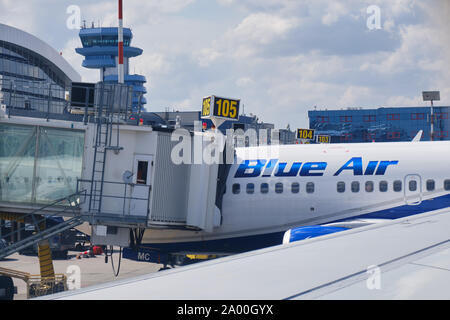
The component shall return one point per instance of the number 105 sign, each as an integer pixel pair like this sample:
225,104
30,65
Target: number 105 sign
220,107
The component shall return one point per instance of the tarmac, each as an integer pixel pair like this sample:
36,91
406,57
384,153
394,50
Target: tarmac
93,270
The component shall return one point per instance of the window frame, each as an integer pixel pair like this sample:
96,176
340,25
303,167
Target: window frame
370,118
279,190
309,189
340,187
393,117
355,183
369,183
395,185
385,184
264,188
427,184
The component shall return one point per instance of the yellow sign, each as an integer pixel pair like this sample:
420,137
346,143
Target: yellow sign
323,139
305,134
220,107
206,108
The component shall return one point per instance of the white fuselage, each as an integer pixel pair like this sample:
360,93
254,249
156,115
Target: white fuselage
334,181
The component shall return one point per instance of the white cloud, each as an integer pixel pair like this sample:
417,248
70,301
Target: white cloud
273,54
334,11
353,96
261,28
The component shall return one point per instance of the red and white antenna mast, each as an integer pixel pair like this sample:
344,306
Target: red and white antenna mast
120,65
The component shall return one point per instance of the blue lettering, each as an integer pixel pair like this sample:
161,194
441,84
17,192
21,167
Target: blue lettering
371,168
292,173
383,166
269,168
356,167
255,169
309,166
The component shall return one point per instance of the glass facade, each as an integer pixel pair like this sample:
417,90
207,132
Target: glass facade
382,124
39,164
28,81
104,41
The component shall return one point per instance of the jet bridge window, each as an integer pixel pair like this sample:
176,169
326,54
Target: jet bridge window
430,185
250,188
236,188
383,186
397,186
142,172
447,185
295,187
355,186
341,187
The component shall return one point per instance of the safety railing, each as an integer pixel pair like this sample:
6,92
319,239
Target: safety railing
59,207
52,101
118,198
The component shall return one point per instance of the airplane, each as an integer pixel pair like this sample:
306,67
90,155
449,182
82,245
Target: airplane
269,191
405,258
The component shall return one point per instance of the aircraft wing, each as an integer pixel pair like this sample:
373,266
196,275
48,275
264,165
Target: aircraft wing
407,258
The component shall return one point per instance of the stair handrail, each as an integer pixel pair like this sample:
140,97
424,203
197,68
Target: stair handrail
73,205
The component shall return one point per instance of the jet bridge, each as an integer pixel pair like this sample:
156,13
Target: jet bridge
143,187
119,176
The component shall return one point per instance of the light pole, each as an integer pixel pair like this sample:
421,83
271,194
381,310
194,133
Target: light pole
431,96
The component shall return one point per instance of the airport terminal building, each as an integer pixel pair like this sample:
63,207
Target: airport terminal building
34,80
33,75
381,125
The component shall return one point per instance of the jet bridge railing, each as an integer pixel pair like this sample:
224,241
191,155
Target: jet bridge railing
79,101
120,202
37,218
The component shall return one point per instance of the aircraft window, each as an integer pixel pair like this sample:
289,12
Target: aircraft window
264,188
412,185
341,186
447,185
383,186
236,188
310,187
295,187
250,188
430,185
369,186
397,186
355,186
279,187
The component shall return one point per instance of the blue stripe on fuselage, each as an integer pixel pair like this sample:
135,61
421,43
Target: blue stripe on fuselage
248,243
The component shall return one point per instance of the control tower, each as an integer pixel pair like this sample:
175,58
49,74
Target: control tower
100,51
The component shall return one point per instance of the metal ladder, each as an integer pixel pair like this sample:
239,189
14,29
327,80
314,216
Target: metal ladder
35,219
103,138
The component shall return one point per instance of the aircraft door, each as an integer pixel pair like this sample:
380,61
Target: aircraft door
413,189
141,188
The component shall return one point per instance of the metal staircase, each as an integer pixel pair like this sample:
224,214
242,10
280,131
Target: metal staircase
70,203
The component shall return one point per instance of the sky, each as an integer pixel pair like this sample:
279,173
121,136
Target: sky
280,57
